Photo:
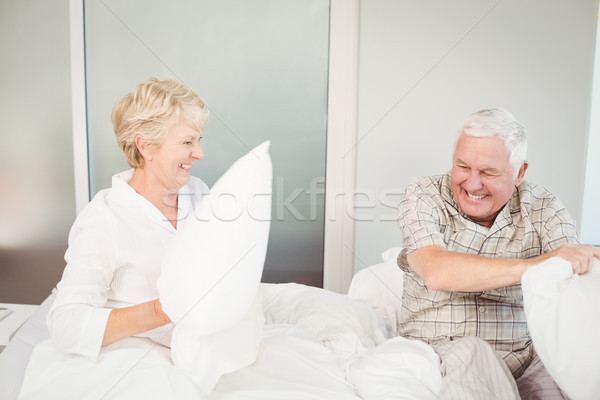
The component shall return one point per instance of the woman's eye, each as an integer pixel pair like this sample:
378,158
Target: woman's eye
188,142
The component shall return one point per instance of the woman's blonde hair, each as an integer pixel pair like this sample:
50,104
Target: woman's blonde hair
150,110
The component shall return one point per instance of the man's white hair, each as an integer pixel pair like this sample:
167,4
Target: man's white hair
498,121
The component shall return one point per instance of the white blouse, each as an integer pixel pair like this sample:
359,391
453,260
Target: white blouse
116,246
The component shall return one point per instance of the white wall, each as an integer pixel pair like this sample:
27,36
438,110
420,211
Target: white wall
590,221
424,66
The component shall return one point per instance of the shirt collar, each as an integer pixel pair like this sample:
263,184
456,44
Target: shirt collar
451,204
123,190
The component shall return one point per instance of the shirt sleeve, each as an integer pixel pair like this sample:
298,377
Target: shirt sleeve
420,218
77,319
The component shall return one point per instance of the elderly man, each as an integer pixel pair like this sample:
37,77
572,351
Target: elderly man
468,237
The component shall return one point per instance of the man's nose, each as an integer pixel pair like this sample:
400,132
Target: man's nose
474,181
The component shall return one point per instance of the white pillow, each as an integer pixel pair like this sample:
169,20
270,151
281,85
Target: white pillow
212,268
381,286
563,315
211,271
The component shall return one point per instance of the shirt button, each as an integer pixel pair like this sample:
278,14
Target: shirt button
481,309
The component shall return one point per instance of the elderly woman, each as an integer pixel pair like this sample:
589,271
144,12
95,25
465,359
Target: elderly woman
108,289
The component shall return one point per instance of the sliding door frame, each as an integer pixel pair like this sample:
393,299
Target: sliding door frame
340,177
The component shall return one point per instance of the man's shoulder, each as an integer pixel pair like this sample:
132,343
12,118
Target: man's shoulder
434,184
427,195
547,213
535,197
539,204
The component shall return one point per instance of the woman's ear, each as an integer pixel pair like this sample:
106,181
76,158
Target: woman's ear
143,148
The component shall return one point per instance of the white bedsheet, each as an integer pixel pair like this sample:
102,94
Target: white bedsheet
133,368
312,346
14,358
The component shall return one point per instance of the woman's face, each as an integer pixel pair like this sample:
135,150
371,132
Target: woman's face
170,163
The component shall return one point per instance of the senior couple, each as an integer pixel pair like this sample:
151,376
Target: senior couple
468,237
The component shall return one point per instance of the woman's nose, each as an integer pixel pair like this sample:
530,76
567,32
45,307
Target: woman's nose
197,152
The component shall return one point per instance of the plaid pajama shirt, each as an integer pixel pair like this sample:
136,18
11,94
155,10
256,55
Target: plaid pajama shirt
532,223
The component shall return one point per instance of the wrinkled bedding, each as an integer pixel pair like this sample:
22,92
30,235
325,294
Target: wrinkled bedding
316,345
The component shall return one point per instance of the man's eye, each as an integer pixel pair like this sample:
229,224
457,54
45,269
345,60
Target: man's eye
188,142
490,175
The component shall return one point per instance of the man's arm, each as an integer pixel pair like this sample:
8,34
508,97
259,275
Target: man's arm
447,270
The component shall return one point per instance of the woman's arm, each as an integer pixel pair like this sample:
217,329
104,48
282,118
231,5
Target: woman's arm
129,321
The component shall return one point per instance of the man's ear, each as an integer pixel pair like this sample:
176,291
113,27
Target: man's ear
143,148
521,173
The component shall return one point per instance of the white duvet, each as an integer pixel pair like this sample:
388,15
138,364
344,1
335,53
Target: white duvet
316,345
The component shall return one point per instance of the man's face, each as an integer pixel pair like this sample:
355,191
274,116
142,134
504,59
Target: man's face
482,178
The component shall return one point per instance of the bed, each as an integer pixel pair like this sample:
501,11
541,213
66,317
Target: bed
237,338
318,344
315,344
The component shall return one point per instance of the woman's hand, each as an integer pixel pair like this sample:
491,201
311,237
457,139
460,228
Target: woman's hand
160,315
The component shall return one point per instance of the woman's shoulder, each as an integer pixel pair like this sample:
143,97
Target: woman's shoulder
96,211
197,186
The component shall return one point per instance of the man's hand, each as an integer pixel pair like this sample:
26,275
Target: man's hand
580,256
